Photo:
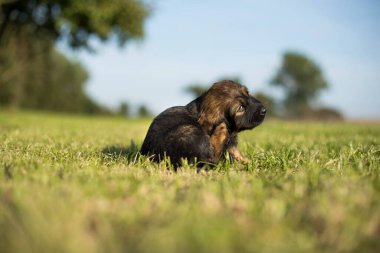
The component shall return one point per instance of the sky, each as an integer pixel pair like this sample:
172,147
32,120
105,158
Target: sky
201,41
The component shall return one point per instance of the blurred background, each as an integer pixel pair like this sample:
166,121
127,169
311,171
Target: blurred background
303,59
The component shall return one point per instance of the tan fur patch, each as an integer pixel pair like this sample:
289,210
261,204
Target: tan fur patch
235,153
218,139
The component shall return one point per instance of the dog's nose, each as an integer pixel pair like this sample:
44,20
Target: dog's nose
263,111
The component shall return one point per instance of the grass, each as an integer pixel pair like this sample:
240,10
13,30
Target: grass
75,184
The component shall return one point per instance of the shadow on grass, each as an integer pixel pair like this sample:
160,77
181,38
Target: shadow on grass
117,152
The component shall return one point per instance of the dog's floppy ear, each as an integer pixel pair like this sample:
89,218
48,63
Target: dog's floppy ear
215,103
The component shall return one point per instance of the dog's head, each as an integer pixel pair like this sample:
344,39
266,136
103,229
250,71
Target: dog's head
230,102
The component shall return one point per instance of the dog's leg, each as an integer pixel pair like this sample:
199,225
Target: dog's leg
233,150
217,141
235,153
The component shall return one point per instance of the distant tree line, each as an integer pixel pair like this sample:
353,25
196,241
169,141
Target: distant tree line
142,111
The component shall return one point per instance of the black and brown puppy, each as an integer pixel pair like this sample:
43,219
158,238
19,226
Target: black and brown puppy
206,128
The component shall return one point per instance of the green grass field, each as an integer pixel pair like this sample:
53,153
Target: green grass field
75,184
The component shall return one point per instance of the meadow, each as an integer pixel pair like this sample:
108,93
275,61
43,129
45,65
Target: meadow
76,184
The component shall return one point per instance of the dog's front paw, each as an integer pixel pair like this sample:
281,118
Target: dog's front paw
235,154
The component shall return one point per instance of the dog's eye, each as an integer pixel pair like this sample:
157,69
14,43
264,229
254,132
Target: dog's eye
241,108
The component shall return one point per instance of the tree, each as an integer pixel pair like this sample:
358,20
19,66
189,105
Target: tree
32,73
302,80
124,109
77,21
144,112
35,75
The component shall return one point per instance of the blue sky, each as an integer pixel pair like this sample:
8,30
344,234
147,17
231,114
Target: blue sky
201,41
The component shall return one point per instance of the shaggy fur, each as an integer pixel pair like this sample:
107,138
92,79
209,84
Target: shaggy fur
206,128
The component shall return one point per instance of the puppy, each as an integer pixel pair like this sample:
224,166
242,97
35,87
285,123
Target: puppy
206,128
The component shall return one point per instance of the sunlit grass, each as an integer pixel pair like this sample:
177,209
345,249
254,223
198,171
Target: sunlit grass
75,184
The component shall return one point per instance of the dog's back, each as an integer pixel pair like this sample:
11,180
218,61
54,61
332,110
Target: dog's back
176,133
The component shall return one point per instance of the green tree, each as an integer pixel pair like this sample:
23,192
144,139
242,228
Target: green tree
144,112
32,73
124,109
302,79
77,21
25,63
